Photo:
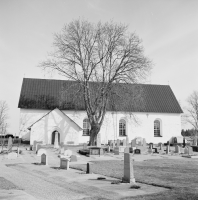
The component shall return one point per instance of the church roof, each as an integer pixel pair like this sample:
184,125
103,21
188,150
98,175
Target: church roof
67,95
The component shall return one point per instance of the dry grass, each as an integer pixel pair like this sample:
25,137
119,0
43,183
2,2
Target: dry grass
181,176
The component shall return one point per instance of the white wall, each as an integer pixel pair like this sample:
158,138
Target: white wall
170,124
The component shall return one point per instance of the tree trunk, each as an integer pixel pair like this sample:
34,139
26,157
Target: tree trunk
95,128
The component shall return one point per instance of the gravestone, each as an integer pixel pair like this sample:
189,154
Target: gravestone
133,143
124,142
160,146
139,141
190,151
195,141
44,160
18,150
12,156
186,150
167,149
84,146
108,149
127,150
64,163
41,151
10,144
128,169
73,158
56,145
144,142
150,145
98,142
68,153
121,149
137,151
177,149
127,141
113,144
118,142
116,151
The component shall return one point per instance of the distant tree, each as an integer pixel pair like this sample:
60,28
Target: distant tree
191,115
105,53
3,116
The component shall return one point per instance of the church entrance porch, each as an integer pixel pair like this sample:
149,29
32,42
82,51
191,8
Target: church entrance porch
53,137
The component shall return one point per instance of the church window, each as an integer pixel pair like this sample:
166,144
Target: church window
86,127
157,128
122,127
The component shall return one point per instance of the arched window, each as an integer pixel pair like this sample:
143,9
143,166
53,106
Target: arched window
86,127
122,127
157,129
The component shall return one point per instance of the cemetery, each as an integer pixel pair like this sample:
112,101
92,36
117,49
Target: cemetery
118,168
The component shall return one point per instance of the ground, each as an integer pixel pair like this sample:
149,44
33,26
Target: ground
159,177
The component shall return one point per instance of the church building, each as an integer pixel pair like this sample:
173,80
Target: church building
49,106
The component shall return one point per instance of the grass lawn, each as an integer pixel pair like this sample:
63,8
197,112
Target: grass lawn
181,176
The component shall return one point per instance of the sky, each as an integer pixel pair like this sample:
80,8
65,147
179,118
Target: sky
168,29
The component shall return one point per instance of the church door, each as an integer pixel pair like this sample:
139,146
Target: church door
53,137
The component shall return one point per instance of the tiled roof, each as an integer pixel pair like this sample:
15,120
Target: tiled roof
67,95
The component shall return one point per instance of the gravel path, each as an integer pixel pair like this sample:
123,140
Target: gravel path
46,183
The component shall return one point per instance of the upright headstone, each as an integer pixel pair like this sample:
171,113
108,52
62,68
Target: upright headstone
113,144
150,145
127,150
118,142
108,149
64,163
195,141
184,142
56,145
190,151
10,144
127,141
133,143
128,169
160,146
144,142
116,150
98,142
167,149
18,150
177,149
124,142
186,150
44,160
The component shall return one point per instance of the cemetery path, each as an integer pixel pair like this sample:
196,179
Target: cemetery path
47,183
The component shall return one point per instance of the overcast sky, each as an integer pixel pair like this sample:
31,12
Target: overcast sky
168,29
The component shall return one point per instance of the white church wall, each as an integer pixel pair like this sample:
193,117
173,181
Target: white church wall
170,125
55,120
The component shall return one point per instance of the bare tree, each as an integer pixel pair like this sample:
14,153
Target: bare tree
104,53
191,115
3,116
